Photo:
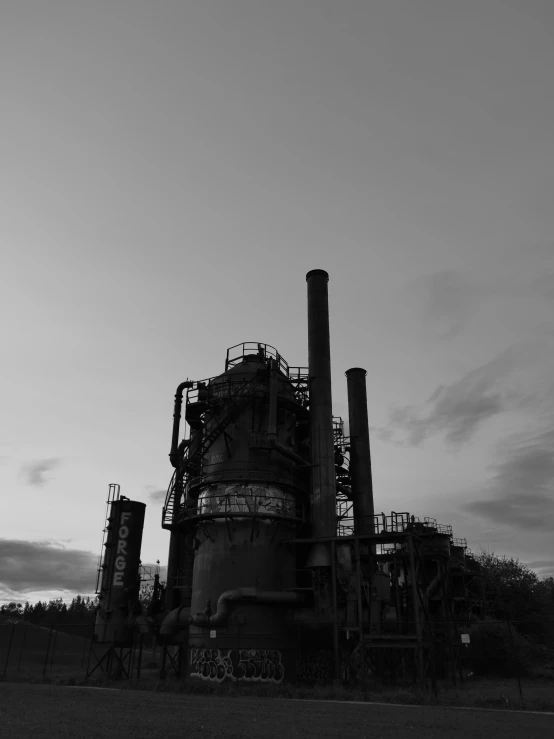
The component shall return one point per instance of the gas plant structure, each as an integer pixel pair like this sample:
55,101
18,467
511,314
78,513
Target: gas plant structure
279,569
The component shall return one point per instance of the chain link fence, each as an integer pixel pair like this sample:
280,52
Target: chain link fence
67,651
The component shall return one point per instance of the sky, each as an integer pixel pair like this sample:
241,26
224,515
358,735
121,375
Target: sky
169,173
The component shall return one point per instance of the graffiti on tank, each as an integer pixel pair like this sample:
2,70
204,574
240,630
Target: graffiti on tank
209,664
236,499
316,666
249,665
260,665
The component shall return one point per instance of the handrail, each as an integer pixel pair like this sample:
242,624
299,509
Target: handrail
265,351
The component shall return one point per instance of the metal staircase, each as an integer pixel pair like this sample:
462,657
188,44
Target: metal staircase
193,455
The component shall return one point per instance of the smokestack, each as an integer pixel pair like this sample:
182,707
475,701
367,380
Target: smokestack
360,456
323,494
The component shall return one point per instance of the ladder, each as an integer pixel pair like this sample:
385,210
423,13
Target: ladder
113,495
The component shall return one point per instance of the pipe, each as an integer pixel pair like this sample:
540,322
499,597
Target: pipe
272,419
323,498
360,455
174,453
344,489
273,388
177,619
286,452
174,621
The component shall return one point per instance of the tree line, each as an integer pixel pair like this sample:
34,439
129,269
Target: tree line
80,612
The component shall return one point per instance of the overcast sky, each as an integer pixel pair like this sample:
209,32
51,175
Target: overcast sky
169,172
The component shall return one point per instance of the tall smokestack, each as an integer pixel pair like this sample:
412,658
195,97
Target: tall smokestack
323,494
360,456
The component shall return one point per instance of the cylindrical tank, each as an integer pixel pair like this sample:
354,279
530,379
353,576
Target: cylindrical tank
251,494
120,572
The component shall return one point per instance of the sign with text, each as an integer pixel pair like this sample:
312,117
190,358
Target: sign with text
128,522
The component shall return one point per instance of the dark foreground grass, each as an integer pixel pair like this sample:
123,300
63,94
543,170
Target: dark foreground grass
500,694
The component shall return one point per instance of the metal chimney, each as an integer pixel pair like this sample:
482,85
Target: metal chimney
323,493
360,455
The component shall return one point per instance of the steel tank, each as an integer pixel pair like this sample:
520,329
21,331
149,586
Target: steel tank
246,500
120,582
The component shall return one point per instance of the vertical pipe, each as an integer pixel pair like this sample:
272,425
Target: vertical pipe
360,611
360,456
174,454
336,652
273,391
323,503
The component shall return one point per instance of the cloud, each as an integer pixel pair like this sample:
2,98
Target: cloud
520,492
157,495
518,379
449,300
445,302
45,565
543,567
456,410
543,285
34,472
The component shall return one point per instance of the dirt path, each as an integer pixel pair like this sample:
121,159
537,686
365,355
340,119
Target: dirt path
57,711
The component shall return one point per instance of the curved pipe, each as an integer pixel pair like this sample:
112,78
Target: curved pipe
286,452
344,489
174,453
177,619
174,621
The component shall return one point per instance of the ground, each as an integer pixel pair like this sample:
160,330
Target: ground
60,711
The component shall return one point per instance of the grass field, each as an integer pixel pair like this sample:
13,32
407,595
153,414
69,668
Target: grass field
48,711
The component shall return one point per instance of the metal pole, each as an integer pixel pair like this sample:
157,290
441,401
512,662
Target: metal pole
22,645
84,652
53,649
360,611
336,652
89,653
47,651
140,656
518,677
417,622
9,650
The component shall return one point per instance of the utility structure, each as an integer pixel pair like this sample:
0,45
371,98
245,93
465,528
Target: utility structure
278,567
117,586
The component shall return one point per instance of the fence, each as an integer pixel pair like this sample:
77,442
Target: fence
29,651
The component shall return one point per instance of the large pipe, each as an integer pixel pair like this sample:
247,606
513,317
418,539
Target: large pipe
179,618
360,455
174,453
323,498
